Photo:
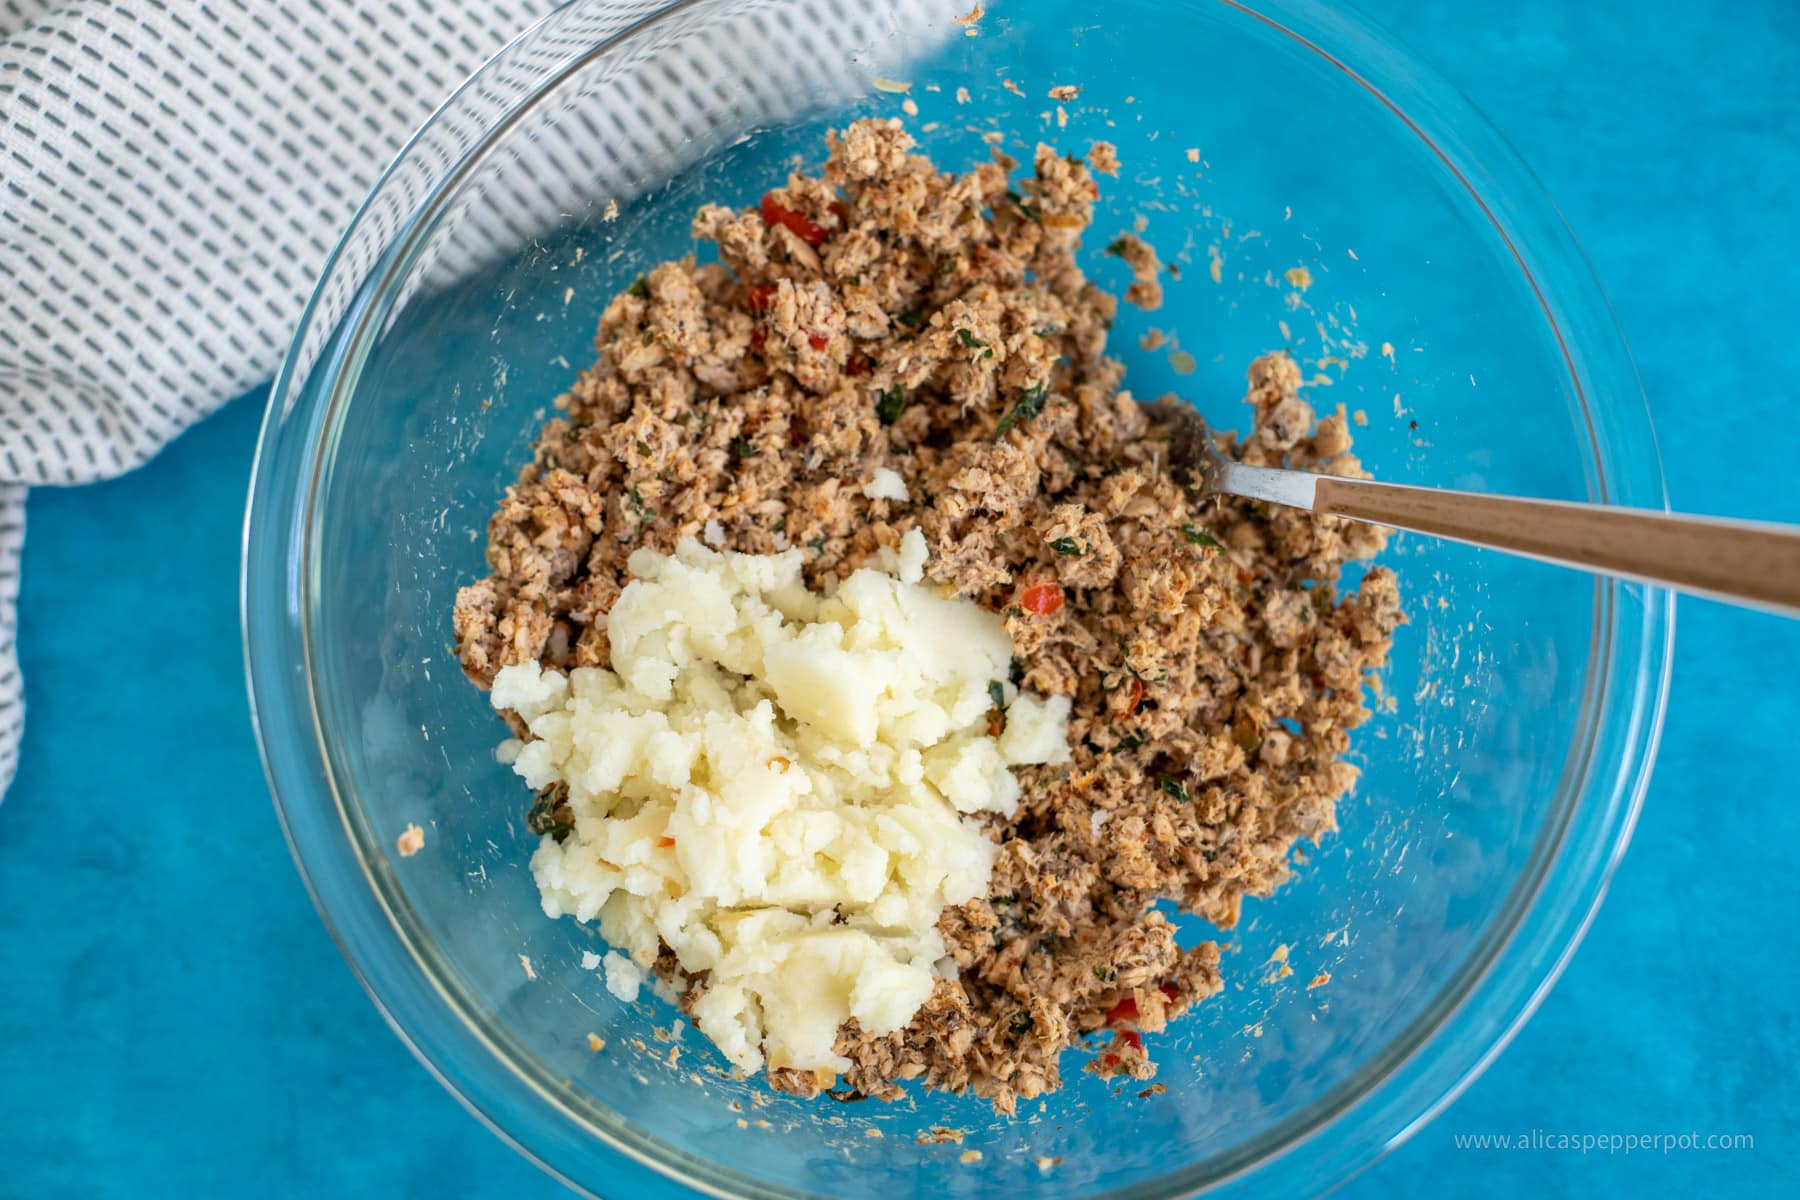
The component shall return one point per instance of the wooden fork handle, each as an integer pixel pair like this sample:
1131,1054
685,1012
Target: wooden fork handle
1742,561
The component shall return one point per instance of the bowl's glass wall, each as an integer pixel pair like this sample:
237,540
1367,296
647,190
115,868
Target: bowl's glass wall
1417,318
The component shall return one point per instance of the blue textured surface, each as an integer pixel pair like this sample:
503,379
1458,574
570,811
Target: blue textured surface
176,1021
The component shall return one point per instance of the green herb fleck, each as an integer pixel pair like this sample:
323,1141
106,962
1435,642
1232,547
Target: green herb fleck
1117,247
947,266
912,318
891,404
1030,404
640,287
1067,547
643,447
1200,537
550,814
1020,1024
1131,741
645,514
1101,973
1018,202
817,544
1000,901
1015,671
744,448
997,693
1172,786
969,340
1125,653
648,337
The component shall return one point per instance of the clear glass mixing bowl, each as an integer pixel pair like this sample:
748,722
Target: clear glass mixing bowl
1452,308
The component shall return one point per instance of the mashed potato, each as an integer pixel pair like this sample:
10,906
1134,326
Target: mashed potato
778,785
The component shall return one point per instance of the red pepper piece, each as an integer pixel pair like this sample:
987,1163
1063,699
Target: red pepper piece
1130,1036
858,365
817,341
1042,599
760,295
759,337
804,227
1124,1010
1134,694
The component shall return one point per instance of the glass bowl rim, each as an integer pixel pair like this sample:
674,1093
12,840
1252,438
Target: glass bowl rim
1628,677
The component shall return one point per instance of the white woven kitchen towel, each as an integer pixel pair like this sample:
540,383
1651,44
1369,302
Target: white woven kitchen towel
173,175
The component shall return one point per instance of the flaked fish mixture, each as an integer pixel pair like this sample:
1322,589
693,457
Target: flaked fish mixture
886,347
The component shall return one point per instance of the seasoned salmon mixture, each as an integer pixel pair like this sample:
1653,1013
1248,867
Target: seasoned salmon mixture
886,316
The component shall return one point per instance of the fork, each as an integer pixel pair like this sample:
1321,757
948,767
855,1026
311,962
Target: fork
1744,562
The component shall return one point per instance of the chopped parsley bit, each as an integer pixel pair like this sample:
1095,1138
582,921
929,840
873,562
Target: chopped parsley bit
1030,404
1117,247
1048,330
891,404
997,901
1172,786
969,340
912,318
817,544
1068,547
1015,671
1020,1024
744,448
550,814
947,266
1200,537
1101,973
1131,741
648,337
645,514
640,288
643,447
1125,653
1018,202
997,693
684,418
